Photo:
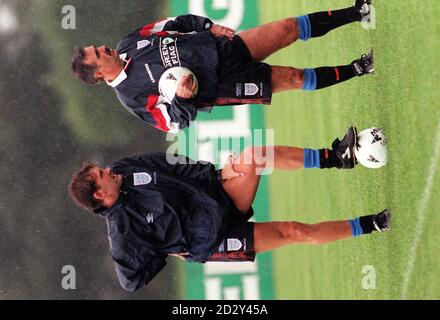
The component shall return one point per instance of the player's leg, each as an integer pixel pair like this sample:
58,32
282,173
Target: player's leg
273,235
242,175
264,40
320,23
289,78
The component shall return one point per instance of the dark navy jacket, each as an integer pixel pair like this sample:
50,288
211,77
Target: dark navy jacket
183,41
162,209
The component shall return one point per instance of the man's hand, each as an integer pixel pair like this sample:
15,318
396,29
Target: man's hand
186,87
229,172
220,31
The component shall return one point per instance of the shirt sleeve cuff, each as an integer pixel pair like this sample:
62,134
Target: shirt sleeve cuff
184,101
208,24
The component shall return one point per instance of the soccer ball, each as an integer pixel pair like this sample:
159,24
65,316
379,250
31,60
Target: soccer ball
169,80
371,148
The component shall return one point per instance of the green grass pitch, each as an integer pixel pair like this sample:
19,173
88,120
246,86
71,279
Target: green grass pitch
403,97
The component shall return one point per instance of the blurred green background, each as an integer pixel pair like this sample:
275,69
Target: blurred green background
49,124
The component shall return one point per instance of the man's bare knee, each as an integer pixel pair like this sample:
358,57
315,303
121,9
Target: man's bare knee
293,78
290,27
297,77
286,78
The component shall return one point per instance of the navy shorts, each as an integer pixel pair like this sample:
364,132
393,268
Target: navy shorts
238,242
241,80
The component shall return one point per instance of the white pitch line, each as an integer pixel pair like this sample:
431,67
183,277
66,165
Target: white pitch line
422,213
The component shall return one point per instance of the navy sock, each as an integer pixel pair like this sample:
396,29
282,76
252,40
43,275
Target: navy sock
320,23
362,225
323,77
367,224
320,159
329,76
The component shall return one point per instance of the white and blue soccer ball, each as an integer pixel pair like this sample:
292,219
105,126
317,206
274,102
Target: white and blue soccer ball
169,80
371,148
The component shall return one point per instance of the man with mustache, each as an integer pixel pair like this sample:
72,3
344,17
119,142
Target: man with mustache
227,65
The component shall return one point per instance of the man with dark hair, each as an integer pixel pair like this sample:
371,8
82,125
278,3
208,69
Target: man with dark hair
83,71
158,205
227,65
